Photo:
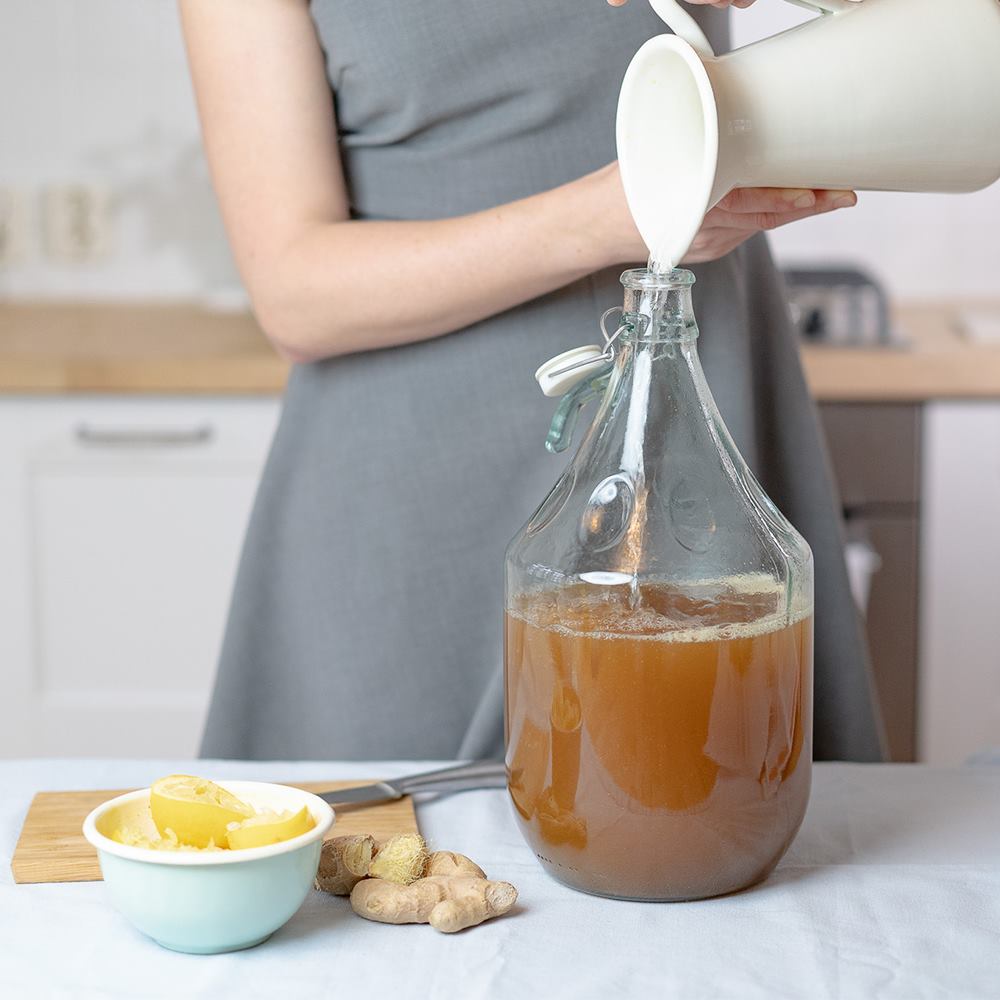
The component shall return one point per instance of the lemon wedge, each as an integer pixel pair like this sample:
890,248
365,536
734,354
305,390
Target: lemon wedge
198,811
269,828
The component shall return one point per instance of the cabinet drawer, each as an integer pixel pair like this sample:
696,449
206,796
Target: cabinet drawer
875,449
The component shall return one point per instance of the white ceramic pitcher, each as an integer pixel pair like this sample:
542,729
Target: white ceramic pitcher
891,95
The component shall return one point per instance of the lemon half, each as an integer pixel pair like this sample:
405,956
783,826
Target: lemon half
269,828
197,810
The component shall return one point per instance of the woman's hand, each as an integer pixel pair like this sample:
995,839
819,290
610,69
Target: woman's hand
701,3
741,214
747,211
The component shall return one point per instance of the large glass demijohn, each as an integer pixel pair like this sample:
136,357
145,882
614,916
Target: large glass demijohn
658,649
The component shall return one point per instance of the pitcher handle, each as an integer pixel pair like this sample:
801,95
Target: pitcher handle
683,25
825,6
564,419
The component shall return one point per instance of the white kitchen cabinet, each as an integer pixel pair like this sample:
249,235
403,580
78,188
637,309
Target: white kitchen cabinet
959,690
121,521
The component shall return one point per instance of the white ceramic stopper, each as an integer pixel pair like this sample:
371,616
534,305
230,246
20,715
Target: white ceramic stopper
583,362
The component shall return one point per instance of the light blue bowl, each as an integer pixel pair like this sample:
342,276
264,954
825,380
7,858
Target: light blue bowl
213,901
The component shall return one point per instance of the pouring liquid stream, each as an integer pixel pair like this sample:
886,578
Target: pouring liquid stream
632,452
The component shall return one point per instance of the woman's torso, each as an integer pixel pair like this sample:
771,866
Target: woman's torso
366,620
451,106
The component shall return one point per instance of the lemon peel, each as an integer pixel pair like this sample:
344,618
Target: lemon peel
268,827
198,811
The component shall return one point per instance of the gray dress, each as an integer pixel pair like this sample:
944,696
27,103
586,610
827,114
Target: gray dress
366,618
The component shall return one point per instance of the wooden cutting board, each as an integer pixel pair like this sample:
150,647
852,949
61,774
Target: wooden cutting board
51,847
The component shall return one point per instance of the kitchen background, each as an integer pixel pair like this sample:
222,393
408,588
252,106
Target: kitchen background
132,435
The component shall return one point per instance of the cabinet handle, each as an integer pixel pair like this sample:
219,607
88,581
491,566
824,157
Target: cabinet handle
136,437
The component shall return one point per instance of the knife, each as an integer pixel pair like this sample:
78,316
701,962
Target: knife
464,777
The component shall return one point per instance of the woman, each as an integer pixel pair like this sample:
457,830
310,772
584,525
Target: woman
424,205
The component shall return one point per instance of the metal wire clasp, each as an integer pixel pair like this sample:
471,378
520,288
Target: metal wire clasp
608,354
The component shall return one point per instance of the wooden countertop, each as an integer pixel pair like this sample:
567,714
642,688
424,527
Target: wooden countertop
936,361
143,348
147,348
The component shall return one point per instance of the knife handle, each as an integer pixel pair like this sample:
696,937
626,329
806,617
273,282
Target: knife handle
464,777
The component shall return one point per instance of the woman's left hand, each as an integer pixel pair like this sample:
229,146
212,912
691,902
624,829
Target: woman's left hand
747,211
740,215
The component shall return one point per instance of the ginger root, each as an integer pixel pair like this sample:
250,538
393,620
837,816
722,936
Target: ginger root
343,862
401,859
450,863
448,903
398,882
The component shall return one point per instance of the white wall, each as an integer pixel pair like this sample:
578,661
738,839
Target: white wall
921,246
98,90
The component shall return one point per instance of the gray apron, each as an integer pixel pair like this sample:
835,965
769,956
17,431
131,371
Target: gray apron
366,617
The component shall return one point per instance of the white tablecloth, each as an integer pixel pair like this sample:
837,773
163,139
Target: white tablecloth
891,890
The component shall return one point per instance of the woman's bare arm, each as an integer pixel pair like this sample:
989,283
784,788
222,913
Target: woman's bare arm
317,278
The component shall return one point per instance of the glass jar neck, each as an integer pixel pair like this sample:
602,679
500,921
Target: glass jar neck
658,307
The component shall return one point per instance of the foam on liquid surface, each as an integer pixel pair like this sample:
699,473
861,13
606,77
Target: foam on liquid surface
736,607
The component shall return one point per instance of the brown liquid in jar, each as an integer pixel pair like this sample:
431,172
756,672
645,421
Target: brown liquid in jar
659,748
